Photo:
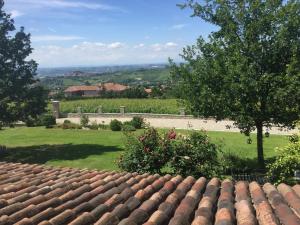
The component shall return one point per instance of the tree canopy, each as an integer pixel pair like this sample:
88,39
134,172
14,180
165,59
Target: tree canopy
249,69
21,96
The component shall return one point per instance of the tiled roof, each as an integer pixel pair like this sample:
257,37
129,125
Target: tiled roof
148,90
36,194
114,87
82,88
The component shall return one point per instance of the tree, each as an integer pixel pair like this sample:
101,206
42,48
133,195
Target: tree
248,70
21,96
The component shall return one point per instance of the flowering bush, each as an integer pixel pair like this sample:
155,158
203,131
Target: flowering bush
148,152
151,152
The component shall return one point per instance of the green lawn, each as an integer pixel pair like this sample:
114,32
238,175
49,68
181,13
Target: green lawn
99,149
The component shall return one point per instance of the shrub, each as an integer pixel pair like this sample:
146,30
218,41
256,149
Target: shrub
195,155
93,126
115,125
67,124
103,126
294,138
148,152
137,122
152,152
30,122
128,128
48,120
286,162
84,120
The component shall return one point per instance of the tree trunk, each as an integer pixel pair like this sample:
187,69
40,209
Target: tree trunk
260,148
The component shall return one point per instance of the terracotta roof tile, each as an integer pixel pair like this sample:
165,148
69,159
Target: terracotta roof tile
43,195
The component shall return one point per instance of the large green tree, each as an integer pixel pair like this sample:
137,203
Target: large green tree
21,96
248,70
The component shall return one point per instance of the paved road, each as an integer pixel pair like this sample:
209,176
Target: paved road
184,123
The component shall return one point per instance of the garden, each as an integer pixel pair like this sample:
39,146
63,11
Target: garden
105,149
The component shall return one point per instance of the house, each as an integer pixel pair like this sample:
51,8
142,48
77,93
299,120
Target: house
114,87
38,194
84,91
95,90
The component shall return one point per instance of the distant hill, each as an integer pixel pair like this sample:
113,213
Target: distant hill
149,75
63,71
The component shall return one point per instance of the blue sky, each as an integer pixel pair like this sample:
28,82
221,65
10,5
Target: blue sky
106,32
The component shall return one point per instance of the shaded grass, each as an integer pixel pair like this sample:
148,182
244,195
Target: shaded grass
99,149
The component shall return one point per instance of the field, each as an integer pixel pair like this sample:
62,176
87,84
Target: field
99,149
162,106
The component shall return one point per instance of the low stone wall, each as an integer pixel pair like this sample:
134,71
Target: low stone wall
126,115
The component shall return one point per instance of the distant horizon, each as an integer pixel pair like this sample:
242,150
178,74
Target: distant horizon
107,65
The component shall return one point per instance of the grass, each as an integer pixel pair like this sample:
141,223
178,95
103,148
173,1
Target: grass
163,106
99,149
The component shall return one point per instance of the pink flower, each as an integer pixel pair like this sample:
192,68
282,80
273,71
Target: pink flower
172,134
141,138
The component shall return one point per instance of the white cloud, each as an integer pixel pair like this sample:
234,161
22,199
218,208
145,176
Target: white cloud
160,47
171,44
39,38
115,45
98,53
178,26
16,13
66,4
141,45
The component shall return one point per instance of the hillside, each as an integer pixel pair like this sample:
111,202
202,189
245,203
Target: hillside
145,76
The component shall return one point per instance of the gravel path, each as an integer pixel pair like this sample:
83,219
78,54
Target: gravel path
184,123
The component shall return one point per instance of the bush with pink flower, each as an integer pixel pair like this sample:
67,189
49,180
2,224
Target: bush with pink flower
153,152
148,152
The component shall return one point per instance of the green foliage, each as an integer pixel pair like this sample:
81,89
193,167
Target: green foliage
196,156
164,106
148,152
115,125
94,126
137,122
287,161
151,152
127,127
131,93
48,120
84,120
294,138
32,122
21,96
249,69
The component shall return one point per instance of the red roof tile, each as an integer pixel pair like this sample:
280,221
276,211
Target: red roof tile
82,88
35,194
114,87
